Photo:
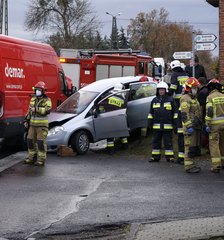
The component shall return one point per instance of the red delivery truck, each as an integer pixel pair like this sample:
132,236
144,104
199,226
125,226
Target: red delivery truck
22,64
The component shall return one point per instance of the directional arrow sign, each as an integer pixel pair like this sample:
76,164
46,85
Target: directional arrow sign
205,46
205,38
182,55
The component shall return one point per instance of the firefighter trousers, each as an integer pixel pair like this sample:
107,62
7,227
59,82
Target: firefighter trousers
36,142
167,138
191,148
216,145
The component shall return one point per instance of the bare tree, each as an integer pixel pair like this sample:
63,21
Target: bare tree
67,19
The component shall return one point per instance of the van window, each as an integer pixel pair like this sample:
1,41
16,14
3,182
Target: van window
63,83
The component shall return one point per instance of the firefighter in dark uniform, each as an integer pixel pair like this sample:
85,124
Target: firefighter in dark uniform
119,101
37,121
215,124
162,120
191,110
178,78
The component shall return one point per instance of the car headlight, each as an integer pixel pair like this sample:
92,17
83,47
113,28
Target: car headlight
55,130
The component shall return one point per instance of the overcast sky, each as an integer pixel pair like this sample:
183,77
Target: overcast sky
196,12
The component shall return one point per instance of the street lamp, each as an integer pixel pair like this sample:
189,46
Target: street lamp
114,33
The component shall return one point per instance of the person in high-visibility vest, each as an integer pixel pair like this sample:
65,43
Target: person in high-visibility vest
37,121
162,120
214,120
191,118
177,80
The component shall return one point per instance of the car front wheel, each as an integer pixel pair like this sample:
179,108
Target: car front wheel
80,142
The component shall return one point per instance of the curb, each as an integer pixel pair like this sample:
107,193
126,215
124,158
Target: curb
12,160
201,228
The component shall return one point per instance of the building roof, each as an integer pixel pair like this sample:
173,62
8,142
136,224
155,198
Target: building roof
214,3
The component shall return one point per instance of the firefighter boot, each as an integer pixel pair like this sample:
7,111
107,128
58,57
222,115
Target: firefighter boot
28,161
39,163
216,169
193,169
152,159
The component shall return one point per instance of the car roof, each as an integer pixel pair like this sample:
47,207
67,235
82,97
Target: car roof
107,83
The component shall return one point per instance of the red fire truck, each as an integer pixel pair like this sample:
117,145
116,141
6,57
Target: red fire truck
22,64
85,67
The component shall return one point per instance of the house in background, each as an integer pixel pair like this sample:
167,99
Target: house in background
220,5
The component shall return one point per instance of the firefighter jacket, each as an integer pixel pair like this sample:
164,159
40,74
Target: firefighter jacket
190,112
42,106
214,108
178,78
163,113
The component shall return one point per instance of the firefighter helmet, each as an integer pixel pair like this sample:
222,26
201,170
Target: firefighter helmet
214,84
143,79
162,85
175,63
41,85
190,83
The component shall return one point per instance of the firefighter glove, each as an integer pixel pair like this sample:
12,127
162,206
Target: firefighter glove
190,131
26,124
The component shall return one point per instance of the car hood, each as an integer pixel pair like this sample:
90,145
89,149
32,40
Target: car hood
60,116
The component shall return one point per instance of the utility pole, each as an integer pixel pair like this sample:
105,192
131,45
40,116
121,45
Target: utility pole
114,34
4,17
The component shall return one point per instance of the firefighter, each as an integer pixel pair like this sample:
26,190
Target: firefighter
162,120
191,119
215,124
178,78
119,100
37,121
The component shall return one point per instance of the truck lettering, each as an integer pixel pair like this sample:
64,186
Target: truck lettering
14,72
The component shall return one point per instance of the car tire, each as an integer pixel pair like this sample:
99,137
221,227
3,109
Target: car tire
80,142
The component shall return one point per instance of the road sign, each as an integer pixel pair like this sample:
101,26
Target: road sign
205,38
182,55
205,46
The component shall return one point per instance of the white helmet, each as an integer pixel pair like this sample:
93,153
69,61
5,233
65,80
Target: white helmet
175,63
162,85
118,87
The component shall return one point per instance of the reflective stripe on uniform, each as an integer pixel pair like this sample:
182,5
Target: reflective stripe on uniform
173,86
168,126
150,116
156,126
169,152
156,151
180,155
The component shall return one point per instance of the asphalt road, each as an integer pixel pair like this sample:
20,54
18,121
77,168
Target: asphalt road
71,195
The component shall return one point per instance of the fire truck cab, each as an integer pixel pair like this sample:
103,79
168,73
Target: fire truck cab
22,64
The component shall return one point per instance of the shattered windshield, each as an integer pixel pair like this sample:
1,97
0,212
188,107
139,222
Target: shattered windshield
77,102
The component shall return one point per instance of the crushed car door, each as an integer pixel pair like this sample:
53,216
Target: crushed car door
110,118
138,106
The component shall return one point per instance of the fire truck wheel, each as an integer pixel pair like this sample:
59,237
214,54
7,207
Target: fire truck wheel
80,142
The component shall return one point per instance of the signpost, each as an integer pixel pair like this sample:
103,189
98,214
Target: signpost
205,38
210,46
182,55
